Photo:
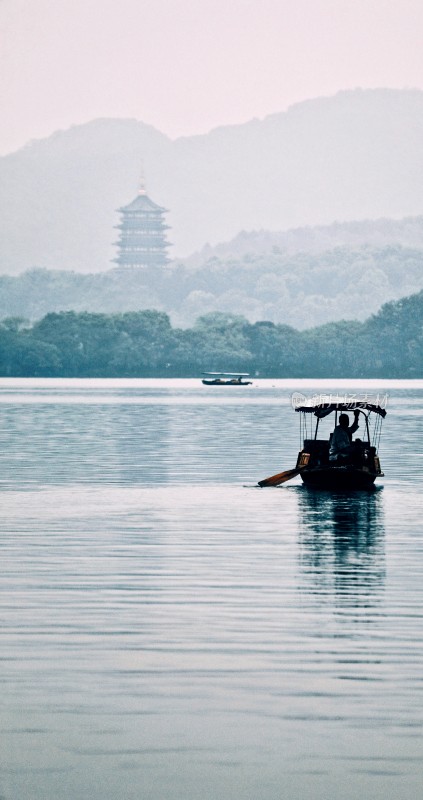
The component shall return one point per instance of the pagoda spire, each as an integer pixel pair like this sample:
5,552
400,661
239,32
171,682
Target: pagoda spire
142,189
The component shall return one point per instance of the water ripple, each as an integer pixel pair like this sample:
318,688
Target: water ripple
170,631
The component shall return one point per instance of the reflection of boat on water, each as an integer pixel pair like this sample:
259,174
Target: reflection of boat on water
226,379
355,467
342,544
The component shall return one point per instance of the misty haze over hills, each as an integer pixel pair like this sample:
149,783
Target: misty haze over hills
301,287
354,156
317,239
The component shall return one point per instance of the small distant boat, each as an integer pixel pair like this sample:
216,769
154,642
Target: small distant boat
226,379
319,463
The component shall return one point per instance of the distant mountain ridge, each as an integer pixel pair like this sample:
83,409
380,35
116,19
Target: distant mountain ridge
352,156
382,232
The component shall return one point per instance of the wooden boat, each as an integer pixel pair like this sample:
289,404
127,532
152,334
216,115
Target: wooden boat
355,468
226,379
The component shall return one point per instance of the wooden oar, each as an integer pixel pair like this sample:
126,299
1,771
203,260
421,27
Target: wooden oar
275,480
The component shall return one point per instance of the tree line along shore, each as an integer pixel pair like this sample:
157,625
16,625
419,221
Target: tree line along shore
388,344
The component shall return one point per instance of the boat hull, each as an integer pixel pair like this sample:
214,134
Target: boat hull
343,477
225,383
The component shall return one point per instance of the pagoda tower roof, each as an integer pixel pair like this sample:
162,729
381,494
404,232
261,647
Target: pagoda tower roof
142,203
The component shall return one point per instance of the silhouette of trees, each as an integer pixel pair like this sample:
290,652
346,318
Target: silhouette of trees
143,343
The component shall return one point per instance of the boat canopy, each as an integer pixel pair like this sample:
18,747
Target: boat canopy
322,409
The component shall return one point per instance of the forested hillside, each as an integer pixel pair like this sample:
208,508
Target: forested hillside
144,344
370,233
301,289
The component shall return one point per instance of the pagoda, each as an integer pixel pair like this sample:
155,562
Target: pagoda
142,240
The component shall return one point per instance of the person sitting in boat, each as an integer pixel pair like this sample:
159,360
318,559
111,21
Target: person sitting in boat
341,439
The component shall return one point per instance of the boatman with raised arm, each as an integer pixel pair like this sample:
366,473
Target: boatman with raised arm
341,440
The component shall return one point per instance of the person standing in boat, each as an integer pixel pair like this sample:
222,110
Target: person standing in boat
341,438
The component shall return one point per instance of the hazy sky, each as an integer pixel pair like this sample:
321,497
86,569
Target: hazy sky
186,66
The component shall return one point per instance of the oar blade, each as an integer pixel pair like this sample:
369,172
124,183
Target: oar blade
282,477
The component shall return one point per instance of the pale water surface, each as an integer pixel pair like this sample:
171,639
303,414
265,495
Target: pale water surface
171,631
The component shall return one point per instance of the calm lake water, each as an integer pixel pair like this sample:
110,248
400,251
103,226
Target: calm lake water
171,631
